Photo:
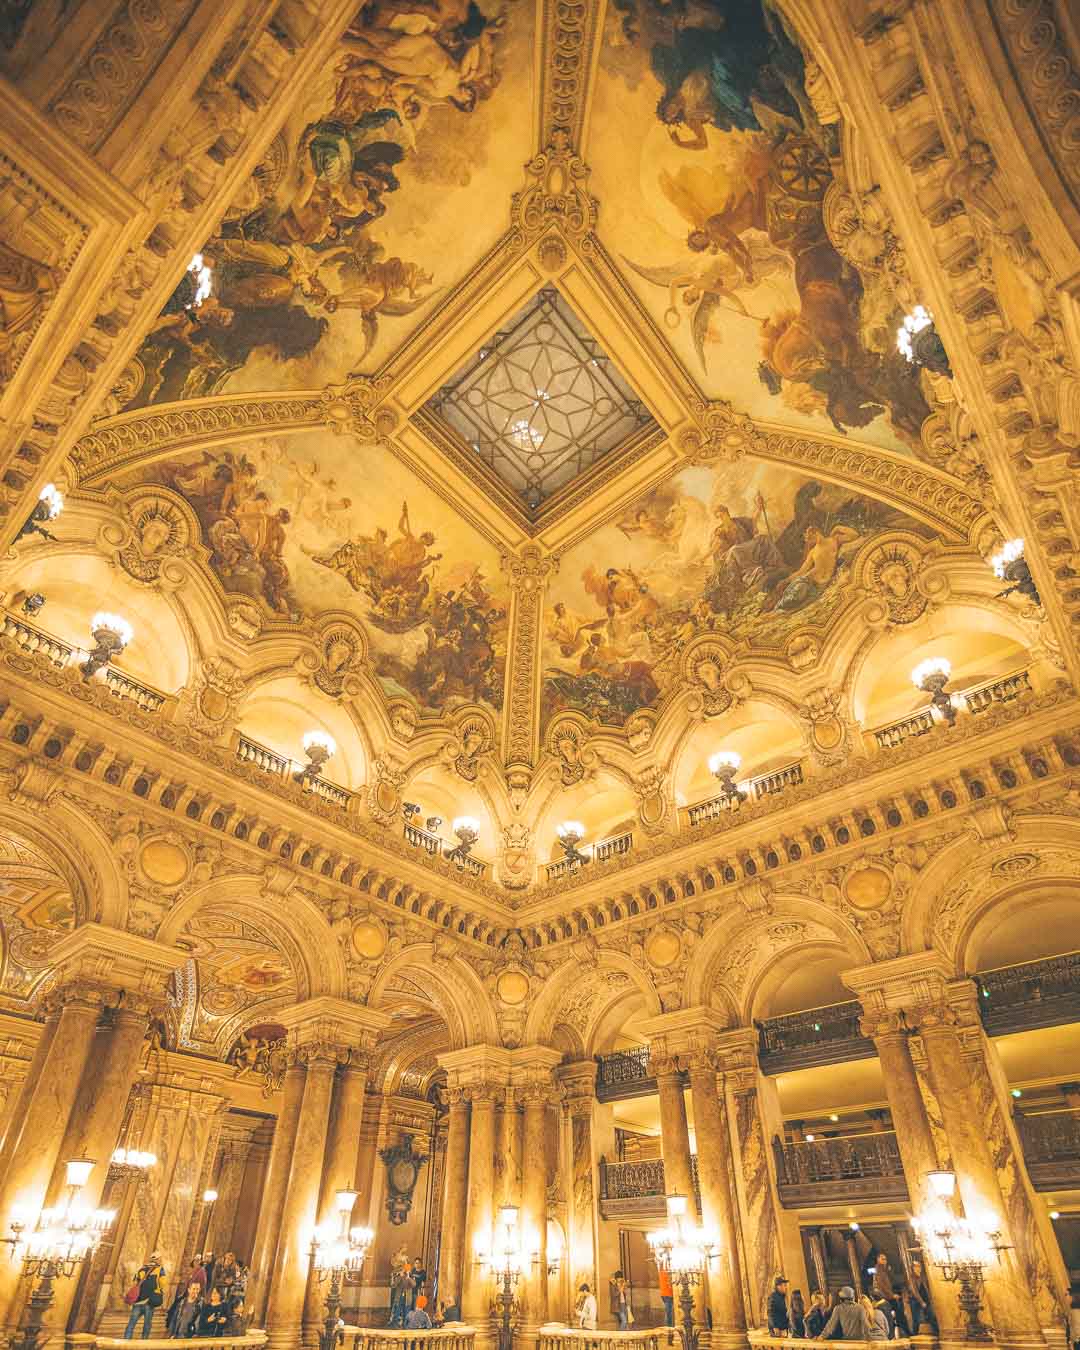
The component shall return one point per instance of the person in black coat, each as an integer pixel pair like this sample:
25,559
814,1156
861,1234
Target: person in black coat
213,1316
779,1316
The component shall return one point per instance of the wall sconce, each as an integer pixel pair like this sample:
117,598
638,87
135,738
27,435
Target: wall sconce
1010,565
48,507
32,603
111,635
468,832
319,746
724,765
931,676
918,342
571,833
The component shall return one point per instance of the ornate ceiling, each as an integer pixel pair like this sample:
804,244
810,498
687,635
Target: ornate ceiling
534,424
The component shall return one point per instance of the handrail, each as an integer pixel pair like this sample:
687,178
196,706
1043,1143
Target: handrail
786,1342
453,1336
251,1340
896,733
637,1180
430,843
554,1335
763,785
123,686
840,1158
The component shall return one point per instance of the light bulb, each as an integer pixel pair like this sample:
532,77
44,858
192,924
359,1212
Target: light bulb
78,1171
933,665
319,740
1009,552
344,1200
941,1184
52,499
724,759
209,1196
112,623
570,828
466,825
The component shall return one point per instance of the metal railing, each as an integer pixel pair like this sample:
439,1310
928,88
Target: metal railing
1050,1136
1032,994
847,1158
817,1036
637,1180
622,1069
764,785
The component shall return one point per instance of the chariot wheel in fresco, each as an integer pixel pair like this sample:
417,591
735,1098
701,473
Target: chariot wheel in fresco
802,169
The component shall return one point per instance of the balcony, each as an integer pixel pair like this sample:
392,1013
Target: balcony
1035,994
615,847
837,1171
804,1040
1051,1144
973,701
626,1073
436,847
61,654
637,1189
279,766
764,785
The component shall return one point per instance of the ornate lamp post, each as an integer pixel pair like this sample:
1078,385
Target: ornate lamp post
1010,565
468,832
111,635
319,746
931,676
53,1245
571,833
684,1250
505,1262
336,1253
961,1250
48,507
724,765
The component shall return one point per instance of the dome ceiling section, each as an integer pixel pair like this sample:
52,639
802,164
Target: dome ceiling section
541,402
712,168
349,231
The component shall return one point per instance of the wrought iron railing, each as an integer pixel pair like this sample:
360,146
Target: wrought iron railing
846,1158
637,1180
1033,994
621,1069
1050,1136
826,1035
764,785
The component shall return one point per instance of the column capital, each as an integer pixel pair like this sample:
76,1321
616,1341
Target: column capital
487,1065
137,966
532,1067
578,1083
899,985
338,1028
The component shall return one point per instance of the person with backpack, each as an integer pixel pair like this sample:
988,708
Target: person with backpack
146,1294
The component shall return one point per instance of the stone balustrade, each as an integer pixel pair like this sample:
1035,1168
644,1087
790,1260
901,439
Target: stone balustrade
453,1336
250,1340
555,1336
763,1338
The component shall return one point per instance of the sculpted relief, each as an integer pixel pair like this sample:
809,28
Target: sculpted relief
747,552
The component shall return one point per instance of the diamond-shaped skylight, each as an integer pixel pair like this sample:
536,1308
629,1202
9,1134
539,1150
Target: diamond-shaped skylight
540,402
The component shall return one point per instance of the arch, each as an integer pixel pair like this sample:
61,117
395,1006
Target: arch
307,937
460,997
579,977
950,896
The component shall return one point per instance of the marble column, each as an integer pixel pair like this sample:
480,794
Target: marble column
455,1195
228,1179
508,1150
579,1085
182,1128
37,1149
94,1124
339,1171
476,1292
13,1121
915,1142
1015,1320
534,1209
674,1131
273,1197
292,1261
718,1206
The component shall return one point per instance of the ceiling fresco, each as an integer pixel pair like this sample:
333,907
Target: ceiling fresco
314,523
711,168
349,230
749,551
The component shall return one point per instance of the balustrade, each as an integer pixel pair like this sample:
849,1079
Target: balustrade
763,1339
601,852
251,752
1004,690
896,733
250,1340
34,641
123,686
764,785
330,792
455,1336
422,839
557,1337
854,1166
1033,994
827,1035
637,1180
1051,1144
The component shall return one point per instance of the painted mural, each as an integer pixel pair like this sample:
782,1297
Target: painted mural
317,522
712,168
350,228
747,551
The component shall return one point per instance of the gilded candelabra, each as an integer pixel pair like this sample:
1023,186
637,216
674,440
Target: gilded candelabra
335,1254
685,1251
961,1250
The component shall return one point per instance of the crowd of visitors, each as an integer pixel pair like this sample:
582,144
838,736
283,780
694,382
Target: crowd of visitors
891,1307
209,1299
